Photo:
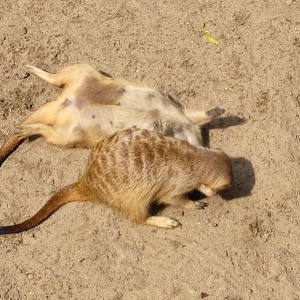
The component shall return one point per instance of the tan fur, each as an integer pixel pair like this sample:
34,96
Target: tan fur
92,107
133,169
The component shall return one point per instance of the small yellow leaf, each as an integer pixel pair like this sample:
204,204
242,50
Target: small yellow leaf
211,39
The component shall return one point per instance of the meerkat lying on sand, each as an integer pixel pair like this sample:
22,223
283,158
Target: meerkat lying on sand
93,106
134,169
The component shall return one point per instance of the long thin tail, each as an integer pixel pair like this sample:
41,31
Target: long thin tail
9,146
69,193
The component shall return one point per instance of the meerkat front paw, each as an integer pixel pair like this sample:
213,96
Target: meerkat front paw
215,112
200,204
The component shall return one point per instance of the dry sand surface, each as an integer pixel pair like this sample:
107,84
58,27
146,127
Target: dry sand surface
243,247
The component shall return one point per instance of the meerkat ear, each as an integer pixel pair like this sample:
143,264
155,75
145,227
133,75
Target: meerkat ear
201,117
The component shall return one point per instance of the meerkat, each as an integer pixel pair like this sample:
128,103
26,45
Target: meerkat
133,169
93,106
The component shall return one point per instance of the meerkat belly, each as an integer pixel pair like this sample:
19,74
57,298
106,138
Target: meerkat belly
153,102
97,120
138,96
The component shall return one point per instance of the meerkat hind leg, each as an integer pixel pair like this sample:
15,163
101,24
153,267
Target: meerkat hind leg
56,136
45,114
138,212
183,201
25,131
51,78
163,222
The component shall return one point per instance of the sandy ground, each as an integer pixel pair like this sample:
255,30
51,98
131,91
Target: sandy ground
243,247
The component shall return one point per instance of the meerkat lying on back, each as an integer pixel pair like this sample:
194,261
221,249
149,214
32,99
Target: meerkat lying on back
133,169
93,106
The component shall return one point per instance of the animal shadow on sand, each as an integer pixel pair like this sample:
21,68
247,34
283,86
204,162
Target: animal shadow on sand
243,172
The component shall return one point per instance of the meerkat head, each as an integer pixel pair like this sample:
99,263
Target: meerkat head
223,174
